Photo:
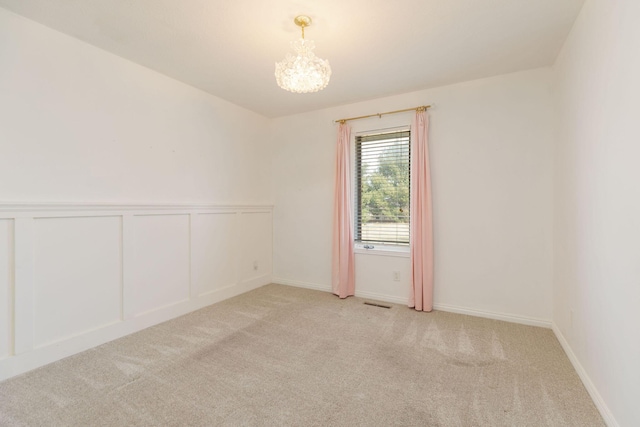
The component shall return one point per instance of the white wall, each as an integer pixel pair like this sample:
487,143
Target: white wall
80,124
126,197
491,153
6,288
597,205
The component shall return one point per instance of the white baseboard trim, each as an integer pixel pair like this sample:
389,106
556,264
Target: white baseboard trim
523,320
21,363
298,284
327,288
588,384
511,318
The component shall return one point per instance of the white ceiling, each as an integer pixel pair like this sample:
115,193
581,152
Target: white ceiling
376,47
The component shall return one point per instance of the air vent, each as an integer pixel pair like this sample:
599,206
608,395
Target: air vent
377,305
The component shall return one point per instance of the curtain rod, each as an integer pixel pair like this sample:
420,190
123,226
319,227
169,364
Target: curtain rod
421,108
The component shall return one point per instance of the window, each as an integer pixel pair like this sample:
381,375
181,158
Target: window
382,188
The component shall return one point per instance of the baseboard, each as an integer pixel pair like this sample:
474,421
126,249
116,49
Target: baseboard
327,288
52,352
523,320
381,297
584,377
511,318
298,284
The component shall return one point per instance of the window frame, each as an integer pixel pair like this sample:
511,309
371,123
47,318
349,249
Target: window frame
389,249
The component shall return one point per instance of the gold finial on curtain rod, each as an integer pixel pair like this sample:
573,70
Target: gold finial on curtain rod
379,115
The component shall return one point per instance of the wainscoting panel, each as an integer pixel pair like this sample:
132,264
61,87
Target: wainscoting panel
77,281
217,252
161,261
74,276
257,243
6,287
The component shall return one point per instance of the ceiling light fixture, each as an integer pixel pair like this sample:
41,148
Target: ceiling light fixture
304,72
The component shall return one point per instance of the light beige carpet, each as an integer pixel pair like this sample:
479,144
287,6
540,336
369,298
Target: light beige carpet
286,356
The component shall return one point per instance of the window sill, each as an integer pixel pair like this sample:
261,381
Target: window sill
382,250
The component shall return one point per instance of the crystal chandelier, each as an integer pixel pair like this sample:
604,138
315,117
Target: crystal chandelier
303,72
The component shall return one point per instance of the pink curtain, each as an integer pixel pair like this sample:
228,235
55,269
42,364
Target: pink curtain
343,271
421,219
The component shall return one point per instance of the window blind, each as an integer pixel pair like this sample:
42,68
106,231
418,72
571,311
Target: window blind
382,188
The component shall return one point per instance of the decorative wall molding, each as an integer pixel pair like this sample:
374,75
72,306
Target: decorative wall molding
83,274
584,377
15,209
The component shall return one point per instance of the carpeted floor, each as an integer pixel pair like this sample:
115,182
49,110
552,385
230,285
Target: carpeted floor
287,356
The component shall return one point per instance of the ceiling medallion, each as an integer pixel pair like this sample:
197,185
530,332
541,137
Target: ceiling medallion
304,72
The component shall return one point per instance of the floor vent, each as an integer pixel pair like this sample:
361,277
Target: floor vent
377,305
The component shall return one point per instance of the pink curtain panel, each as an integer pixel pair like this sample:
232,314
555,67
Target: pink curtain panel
421,296
343,262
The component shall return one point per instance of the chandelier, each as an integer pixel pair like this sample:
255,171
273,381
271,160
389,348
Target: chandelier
304,72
